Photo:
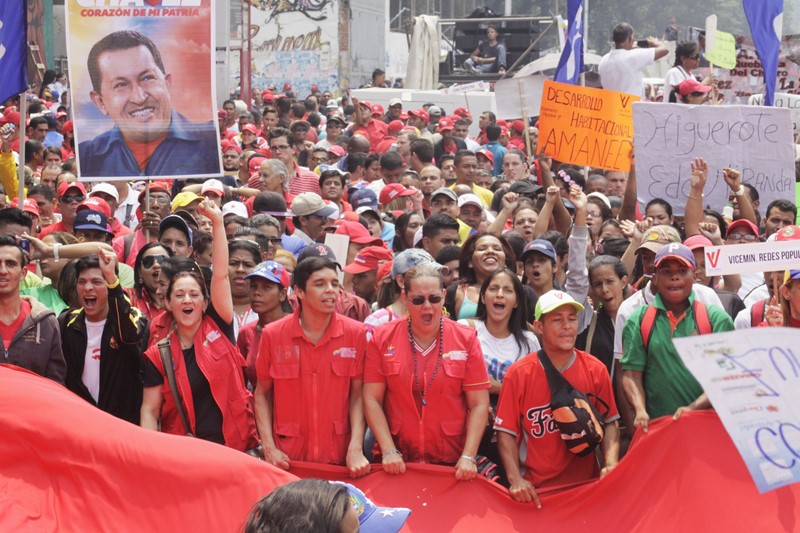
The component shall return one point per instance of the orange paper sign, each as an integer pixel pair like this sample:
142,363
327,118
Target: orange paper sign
586,126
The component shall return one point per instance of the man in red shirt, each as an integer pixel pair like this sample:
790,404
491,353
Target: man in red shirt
530,444
70,196
310,372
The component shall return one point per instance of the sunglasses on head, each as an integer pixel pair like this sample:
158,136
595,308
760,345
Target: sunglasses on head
150,260
432,298
69,198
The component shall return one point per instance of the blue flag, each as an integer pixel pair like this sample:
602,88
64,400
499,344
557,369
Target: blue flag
570,65
765,18
13,48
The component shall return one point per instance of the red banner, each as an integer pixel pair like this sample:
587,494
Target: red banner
65,465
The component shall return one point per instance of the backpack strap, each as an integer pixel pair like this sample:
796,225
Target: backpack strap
758,313
554,378
128,211
646,325
590,335
701,318
165,352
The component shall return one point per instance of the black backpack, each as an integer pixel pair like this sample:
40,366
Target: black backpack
579,422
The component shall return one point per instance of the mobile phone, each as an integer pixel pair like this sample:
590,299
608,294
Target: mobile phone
25,244
10,127
643,43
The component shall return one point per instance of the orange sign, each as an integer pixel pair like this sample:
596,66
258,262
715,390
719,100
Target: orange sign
585,126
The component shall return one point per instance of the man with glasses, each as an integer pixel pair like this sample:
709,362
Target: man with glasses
319,156
70,196
311,215
302,147
300,179
274,205
103,339
158,207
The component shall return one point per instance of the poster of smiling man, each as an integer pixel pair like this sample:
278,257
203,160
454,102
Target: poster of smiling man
143,88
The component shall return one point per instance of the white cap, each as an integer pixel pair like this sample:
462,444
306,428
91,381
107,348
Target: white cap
234,208
467,199
106,188
212,185
602,197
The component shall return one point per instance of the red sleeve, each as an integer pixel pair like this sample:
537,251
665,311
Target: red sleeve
475,375
361,347
508,417
264,355
372,364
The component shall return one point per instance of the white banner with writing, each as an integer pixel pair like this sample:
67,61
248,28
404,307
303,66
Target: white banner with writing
757,257
753,381
757,141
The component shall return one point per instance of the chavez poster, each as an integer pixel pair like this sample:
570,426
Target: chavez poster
142,88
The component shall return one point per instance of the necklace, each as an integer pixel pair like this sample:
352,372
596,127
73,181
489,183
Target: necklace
423,393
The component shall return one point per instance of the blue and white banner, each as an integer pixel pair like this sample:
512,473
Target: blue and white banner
765,18
13,59
570,65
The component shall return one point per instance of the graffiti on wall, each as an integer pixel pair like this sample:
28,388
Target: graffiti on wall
295,42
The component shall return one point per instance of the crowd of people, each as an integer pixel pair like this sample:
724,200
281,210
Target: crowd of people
481,281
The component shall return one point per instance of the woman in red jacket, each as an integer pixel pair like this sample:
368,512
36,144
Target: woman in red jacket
426,391
208,368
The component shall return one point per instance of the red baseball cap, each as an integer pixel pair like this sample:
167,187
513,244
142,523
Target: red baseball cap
95,203
743,223
377,109
370,258
501,122
365,104
393,191
691,85
696,242
228,145
403,116
445,124
462,112
788,233
358,233
337,150
314,88
396,125
518,126
28,206
486,153
254,163
160,186
420,113
503,131
251,128
287,86
64,186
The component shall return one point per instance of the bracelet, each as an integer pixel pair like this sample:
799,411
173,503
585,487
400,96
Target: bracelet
695,197
113,285
740,191
470,458
392,452
56,246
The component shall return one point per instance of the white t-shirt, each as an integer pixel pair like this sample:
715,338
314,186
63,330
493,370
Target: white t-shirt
621,70
127,215
499,354
91,363
674,77
241,321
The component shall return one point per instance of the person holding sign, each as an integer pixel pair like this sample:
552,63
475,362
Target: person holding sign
655,380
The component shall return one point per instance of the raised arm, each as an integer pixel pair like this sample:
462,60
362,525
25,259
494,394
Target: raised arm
734,180
629,198
510,201
694,203
220,283
560,213
551,199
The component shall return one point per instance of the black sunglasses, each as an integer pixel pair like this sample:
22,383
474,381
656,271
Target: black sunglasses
69,198
432,298
150,260
696,56
697,94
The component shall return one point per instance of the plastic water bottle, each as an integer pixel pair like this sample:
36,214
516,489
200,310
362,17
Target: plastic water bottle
727,213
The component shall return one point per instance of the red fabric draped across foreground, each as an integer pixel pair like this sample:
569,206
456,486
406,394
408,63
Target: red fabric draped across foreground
66,466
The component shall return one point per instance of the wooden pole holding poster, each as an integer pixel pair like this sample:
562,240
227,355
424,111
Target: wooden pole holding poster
147,208
23,111
525,117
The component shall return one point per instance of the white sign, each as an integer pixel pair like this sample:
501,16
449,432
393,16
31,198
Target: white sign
756,257
756,141
753,381
466,87
517,97
711,32
789,101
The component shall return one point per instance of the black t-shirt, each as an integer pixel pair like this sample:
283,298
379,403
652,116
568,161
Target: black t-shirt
208,416
602,341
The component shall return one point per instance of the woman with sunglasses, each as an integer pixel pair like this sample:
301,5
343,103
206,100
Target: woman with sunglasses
426,391
147,268
214,403
687,58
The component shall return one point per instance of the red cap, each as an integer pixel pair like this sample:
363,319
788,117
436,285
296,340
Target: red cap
266,92
314,88
788,233
486,153
503,131
501,122
403,116
445,124
462,112
393,191
395,126
160,186
287,86
95,203
370,258
228,145
12,117
743,223
696,242
267,97
254,163
64,186
384,270
337,150
365,104
28,206
61,114
358,233
377,109
691,85
251,128
420,113
518,126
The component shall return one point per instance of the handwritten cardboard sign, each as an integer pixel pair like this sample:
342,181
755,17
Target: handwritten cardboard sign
757,141
756,257
586,126
724,52
753,381
789,101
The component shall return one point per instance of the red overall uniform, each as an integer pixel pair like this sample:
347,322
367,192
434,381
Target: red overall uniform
311,386
438,434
